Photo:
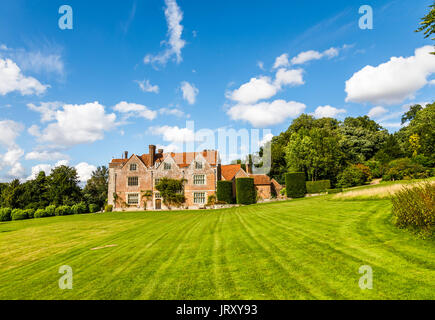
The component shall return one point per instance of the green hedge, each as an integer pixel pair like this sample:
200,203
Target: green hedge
50,211
79,208
94,208
30,213
331,191
225,191
63,211
318,186
295,184
108,208
19,214
5,214
245,191
40,213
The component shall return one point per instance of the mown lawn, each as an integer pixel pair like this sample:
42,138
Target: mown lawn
301,249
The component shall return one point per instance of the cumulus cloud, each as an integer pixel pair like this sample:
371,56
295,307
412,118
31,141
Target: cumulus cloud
288,77
9,130
189,92
168,148
393,81
174,16
281,61
38,168
172,112
84,171
309,55
75,124
146,86
327,112
174,134
377,112
268,137
11,79
46,109
135,110
45,155
266,113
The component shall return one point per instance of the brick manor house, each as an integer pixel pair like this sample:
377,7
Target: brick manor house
130,178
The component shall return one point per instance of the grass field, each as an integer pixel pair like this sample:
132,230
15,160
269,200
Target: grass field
302,249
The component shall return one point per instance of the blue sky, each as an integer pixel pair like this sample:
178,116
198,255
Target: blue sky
131,73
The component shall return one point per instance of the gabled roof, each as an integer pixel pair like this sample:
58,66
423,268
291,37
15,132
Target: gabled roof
260,179
230,170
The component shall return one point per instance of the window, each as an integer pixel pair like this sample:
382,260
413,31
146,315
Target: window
133,167
157,195
199,179
133,181
156,181
167,166
133,198
199,197
198,165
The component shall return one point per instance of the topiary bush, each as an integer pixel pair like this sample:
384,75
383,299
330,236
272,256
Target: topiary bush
224,191
108,208
30,213
332,191
5,214
94,208
414,208
245,191
318,186
63,211
354,175
40,213
295,184
18,214
50,211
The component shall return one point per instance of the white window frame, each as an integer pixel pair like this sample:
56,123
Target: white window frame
167,166
133,194
199,183
157,195
196,196
131,166
132,185
157,181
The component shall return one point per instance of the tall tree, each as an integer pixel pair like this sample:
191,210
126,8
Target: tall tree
427,25
96,187
63,186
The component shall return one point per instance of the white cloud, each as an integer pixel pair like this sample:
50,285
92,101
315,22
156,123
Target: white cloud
169,148
174,134
38,168
432,82
17,171
256,89
9,131
309,55
11,159
146,86
84,171
11,79
268,137
376,112
189,92
393,81
260,64
289,77
46,109
172,112
173,15
327,112
135,110
75,124
281,61
266,113
45,155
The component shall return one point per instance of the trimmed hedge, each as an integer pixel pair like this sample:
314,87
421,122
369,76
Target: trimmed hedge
224,191
332,191
295,184
94,208
40,213
50,211
63,211
19,214
5,214
245,191
30,213
318,186
79,208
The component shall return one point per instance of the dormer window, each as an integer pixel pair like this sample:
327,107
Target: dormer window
198,165
167,166
133,167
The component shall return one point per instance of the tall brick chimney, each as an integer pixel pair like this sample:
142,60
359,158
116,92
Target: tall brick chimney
152,153
126,154
248,167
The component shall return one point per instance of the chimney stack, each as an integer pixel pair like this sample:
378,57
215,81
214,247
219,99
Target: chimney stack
152,152
126,154
160,151
248,167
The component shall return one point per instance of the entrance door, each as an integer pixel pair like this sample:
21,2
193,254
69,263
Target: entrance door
158,204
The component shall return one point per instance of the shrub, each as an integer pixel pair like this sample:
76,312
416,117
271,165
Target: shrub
224,191
211,200
94,208
283,191
5,214
354,175
404,169
245,191
108,208
295,184
414,207
18,214
63,211
318,186
79,208
332,191
30,213
40,213
50,211
377,168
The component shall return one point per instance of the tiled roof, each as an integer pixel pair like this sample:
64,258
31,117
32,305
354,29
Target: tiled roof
260,179
229,171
